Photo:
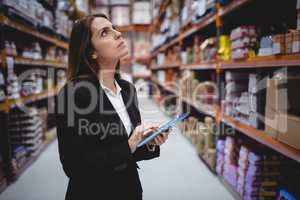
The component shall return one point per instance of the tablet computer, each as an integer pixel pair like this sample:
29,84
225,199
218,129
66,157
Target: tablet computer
163,128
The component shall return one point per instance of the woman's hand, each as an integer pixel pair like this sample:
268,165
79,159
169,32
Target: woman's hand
142,131
161,138
139,133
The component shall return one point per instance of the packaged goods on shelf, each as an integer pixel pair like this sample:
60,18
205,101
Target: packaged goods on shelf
286,43
225,48
19,158
209,49
63,25
141,13
194,11
220,146
266,46
205,95
32,11
262,176
279,44
2,87
230,165
10,48
196,50
120,16
202,135
55,54
236,83
61,78
296,41
243,98
25,129
188,84
243,42
282,110
203,7
12,87
33,52
252,175
29,86
142,45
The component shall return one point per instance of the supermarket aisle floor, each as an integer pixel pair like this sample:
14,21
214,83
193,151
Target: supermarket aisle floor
178,174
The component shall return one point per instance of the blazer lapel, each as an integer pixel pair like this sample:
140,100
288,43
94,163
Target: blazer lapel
109,109
132,110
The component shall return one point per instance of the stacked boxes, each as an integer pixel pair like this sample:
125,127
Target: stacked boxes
230,165
236,84
243,42
243,98
242,169
220,157
25,129
262,177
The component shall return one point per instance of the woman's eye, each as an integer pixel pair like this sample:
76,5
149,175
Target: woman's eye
104,33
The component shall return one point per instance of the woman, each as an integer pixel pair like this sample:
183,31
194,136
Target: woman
98,120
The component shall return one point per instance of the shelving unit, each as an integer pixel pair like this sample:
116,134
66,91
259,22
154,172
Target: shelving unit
264,63
263,138
4,20
209,19
18,24
11,103
44,63
32,159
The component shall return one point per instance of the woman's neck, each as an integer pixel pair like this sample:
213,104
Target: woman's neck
106,75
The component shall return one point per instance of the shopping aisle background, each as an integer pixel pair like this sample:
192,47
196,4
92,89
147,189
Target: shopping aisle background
178,174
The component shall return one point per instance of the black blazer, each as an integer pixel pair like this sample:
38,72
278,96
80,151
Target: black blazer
93,146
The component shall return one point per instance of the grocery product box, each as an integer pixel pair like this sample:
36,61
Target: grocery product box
282,120
288,130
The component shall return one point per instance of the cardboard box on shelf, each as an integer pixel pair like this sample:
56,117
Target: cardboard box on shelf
288,130
281,121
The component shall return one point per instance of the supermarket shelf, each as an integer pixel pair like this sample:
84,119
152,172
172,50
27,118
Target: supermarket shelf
207,20
135,28
292,60
10,103
162,10
32,159
25,166
156,67
33,62
263,138
31,31
201,110
234,193
200,66
266,61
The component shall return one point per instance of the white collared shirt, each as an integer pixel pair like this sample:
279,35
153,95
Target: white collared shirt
117,101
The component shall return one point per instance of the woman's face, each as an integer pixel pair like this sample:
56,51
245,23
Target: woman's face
107,42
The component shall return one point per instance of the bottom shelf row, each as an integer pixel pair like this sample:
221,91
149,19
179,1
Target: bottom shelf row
250,170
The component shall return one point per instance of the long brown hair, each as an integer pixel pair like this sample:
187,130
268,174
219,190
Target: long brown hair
80,60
